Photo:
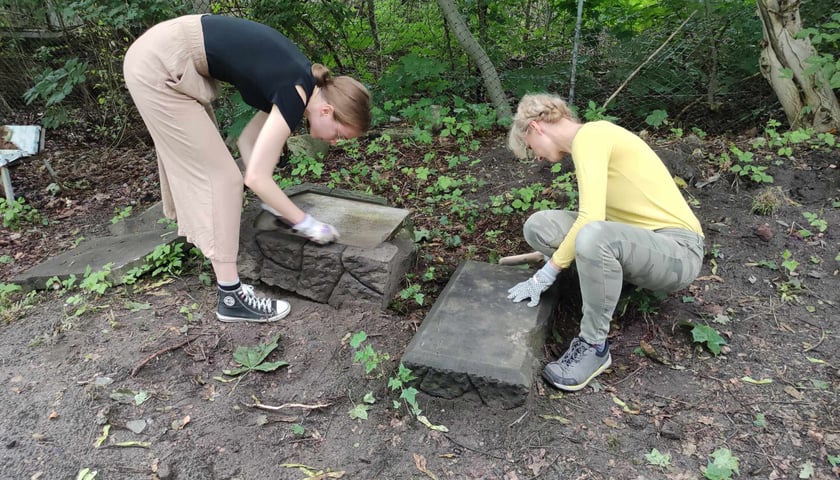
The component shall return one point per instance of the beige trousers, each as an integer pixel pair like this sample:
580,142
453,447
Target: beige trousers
201,186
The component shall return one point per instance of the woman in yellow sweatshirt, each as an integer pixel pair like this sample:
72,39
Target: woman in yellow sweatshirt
632,225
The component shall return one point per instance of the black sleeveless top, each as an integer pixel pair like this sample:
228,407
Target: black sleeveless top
260,62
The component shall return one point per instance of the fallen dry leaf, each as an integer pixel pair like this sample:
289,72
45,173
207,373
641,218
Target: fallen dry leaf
611,423
420,463
793,392
708,278
538,462
180,424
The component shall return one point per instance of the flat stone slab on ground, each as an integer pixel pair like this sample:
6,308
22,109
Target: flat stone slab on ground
123,251
476,341
150,219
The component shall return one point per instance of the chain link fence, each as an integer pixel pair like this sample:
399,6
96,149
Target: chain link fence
694,68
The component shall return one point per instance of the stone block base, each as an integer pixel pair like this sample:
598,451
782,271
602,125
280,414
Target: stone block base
366,265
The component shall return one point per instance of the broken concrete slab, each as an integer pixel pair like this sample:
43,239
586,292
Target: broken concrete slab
123,252
476,342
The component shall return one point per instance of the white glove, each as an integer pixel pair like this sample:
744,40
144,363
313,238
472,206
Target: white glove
317,231
534,286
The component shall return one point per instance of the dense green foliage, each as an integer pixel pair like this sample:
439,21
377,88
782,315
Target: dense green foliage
71,69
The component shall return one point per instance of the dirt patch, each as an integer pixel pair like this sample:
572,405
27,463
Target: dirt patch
770,397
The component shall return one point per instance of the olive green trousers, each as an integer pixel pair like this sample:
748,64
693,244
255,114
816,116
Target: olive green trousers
608,254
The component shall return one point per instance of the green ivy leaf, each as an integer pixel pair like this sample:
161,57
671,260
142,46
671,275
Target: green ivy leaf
359,411
409,395
270,366
709,336
252,358
404,374
655,457
723,466
820,384
807,470
357,339
394,383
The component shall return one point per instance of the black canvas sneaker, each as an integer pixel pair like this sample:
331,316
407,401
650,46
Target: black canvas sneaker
243,305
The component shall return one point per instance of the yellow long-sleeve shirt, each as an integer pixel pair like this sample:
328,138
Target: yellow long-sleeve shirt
621,179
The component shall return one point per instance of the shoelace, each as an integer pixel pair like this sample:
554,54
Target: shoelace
255,302
576,351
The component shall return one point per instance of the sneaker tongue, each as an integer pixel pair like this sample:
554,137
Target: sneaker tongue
576,350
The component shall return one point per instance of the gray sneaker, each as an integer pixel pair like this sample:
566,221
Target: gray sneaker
243,305
580,364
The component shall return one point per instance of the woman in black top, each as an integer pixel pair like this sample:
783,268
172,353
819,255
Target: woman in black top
172,72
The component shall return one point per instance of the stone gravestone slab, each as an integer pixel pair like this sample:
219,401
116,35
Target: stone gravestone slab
475,341
123,252
131,240
360,223
366,264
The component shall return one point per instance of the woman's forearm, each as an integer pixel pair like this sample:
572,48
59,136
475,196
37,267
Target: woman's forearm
271,194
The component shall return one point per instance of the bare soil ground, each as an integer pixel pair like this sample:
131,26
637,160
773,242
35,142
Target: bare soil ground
147,360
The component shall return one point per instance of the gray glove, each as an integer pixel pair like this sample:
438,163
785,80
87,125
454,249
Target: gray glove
534,286
317,231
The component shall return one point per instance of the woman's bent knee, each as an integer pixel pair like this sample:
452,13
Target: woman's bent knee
532,230
590,238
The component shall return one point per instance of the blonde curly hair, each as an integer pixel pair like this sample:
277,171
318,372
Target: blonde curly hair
544,107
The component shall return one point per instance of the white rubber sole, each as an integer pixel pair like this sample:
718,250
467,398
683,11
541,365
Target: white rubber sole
575,388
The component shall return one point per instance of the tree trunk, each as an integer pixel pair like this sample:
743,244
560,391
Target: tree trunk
377,45
447,40
488,72
807,99
481,6
528,5
575,49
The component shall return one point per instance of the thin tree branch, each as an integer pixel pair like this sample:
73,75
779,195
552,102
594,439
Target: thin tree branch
624,84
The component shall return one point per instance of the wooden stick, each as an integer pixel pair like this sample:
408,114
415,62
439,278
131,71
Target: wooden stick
533,257
624,84
274,408
161,352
